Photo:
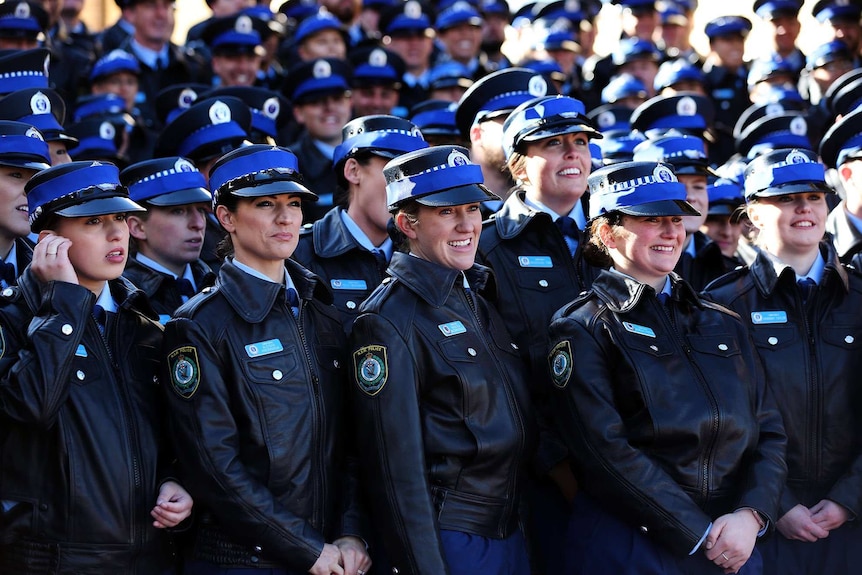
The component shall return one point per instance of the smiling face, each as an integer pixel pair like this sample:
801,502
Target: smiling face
447,236
790,225
461,41
644,247
725,232
556,169
170,235
697,195
99,247
13,204
236,69
324,117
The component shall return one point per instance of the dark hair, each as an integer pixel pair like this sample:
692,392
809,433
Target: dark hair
410,208
225,246
595,251
342,186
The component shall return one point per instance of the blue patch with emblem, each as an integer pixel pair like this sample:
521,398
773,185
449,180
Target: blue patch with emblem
639,329
81,351
452,328
348,284
164,318
264,347
535,262
767,317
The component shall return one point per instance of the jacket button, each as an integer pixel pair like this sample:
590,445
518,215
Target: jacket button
849,339
543,283
471,351
255,558
7,292
514,345
351,305
66,329
257,549
654,347
644,529
277,375
772,340
722,346
395,571
80,375
43,507
336,364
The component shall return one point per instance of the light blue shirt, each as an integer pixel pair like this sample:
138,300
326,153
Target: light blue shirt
815,273
12,257
857,222
387,247
288,283
156,266
106,300
576,214
324,148
149,57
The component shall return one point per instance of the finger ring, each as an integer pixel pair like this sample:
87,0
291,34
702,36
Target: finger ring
726,558
360,572
51,253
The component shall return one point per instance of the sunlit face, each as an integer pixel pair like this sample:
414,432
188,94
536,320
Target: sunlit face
646,248
790,224
13,204
785,31
724,231
415,49
368,192
123,84
264,230
729,50
324,117
100,245
58,153
556,169
447,236
171,235
643,69
845,30
462,41
324,44
229,7
698,197
236,69
371,100
640,22
153,21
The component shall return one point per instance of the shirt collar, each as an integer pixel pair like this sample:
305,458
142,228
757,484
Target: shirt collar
815,273
324,148
156,266
857,222
147,56
12,257
576,214
253,272
667,289
386,247
106,300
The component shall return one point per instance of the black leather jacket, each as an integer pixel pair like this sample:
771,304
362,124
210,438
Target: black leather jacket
665,410
536,275
812,358
328,249
161,289
707,264
845,237
81,457
443,439
262,428
318,175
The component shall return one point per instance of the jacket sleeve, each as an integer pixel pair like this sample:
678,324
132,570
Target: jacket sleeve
847,490
623,478
35,366
208,444
389,433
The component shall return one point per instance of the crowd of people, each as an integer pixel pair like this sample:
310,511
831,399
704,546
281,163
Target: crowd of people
341,289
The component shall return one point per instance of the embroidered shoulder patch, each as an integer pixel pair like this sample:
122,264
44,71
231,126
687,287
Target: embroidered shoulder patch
371,368
185,371
560,362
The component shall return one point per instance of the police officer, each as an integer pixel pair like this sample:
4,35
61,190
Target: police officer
85,478
800,305
350,248
257,374
660,399
168,237
840,149
442,406
44,109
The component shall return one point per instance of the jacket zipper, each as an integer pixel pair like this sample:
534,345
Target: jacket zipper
812,451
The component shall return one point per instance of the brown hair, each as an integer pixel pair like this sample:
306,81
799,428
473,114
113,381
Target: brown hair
595,251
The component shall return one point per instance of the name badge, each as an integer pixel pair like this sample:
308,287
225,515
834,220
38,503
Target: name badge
164,318
264,348
639,329
764,317
452,328
348,284
81,351
535,262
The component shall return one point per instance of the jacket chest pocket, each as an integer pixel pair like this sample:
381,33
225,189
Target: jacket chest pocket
273,369
843,337
714,346
85,367
774,337
654,346
460,349
544,279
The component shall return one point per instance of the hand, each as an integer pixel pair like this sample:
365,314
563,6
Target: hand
797,524
51,259
731,540
354,557
173,505
829,515
565,480
329,561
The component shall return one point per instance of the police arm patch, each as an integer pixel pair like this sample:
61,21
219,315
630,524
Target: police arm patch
370,368
560,363
185,371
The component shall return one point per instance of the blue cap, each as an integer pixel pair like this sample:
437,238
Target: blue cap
845,88
686,154
619,145
448,75
674,71
76,189
596,158
725,196
763,69
20,69
409,18
237,34
114,62
542,118
635,4
99,139
843,141
687,112
380,135
611,117
42,108
547,67
569,10
787,95
757,111
22,19
375,66
672,15
784,171
317,23
728,26
635,49
787,130
257,170
171,181
826,53
177,98
498,7
102,106
299,10
623,86
316,78
22,146
270,111
766,9
562,37
436,176
461,12
837,10
435,118
497,94
209,128
637,189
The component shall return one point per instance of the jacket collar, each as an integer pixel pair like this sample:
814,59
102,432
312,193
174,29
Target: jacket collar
765,278
331,236
622,293
433,282
845,236
253,298
516,215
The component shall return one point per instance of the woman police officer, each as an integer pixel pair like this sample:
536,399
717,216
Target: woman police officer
257,374
440,395
663,405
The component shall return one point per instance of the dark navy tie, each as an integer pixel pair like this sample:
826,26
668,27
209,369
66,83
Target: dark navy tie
7,273
663,297
570,232
293,300
185,287
380,256
101,317
806,288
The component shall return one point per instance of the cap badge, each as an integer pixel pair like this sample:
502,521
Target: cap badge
798,126
606,119
22,10
413,9
186,98
271,108
243,25
774,108
461,6
797,157
40,104
573,6
537,86
457,158
377,58
183,165
219,113
33,133
663,174
107,131
686,107
322,69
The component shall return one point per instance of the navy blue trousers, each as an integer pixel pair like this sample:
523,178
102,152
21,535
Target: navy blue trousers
838,554
468,554
601,544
